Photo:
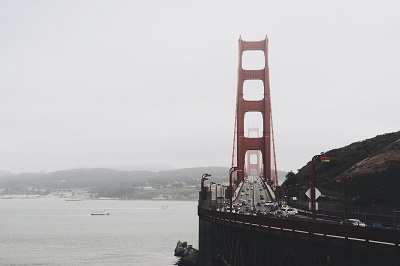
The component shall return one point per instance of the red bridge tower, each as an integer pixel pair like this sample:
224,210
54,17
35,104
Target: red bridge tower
263,143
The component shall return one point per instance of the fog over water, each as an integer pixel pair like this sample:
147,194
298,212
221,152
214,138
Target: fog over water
128,84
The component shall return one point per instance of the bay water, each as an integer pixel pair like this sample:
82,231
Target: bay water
54,231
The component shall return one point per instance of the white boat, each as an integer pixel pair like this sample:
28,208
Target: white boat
100,213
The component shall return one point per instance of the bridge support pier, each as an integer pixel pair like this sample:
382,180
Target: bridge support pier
208,239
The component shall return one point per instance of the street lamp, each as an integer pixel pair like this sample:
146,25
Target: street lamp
343,180
316,158
231,171
212,183
216,192
204,177
218,188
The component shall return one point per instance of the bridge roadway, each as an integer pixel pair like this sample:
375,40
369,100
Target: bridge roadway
250,193
234,239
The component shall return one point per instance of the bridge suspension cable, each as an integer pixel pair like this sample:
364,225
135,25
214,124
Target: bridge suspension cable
234,127
234,135
276,182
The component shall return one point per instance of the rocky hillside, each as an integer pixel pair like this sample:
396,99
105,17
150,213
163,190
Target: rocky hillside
368,172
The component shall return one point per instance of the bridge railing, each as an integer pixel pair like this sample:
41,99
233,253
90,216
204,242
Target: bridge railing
387,239
324,211
340,207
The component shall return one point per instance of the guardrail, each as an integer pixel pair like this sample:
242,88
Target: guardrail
237,191
382,240
271,193
389,221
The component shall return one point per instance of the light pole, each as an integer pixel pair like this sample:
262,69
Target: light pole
212,183
216,193
316,158
204,177
231,171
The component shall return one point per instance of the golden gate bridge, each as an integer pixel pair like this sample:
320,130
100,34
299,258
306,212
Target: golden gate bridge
240,223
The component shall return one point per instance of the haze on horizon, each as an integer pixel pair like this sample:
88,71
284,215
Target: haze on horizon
124,83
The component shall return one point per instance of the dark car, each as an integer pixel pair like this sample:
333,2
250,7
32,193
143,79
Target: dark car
353,222
269,214
280,214
260,213
274,207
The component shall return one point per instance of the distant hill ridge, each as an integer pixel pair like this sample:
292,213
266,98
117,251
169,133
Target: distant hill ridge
5,173
83,176
109,182
369,170
97,176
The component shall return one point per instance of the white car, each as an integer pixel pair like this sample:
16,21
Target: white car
284,208
268,203
290,212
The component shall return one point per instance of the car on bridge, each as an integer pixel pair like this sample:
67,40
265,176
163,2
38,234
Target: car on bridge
260,213
280,214
353,222
290,212
268,203
274,207
269,214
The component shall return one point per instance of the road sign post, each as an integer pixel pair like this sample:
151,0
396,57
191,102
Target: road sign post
316,158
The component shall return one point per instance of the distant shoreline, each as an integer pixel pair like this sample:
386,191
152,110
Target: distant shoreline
15,197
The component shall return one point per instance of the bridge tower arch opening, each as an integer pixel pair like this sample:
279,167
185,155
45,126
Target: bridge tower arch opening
253,157
246,145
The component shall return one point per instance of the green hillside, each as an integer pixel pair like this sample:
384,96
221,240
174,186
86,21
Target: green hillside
368,172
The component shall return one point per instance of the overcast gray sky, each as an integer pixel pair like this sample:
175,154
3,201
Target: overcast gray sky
122,83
